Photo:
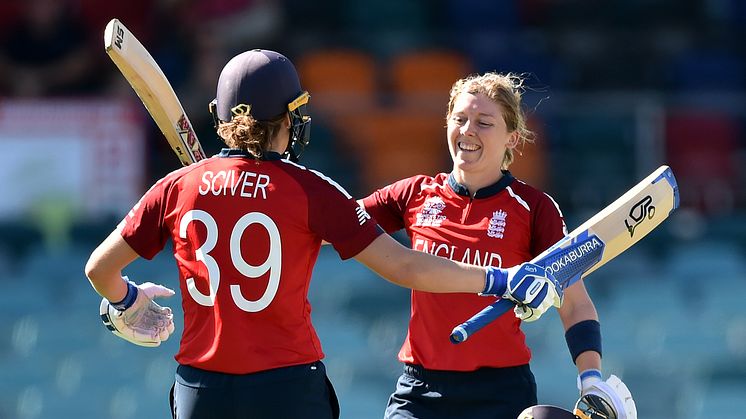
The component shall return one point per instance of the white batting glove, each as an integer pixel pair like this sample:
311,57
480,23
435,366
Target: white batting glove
137,318
530,286
608,399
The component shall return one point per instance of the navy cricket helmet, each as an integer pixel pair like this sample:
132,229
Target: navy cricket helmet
265,85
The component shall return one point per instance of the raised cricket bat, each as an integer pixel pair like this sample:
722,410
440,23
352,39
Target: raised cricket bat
603,237
153,88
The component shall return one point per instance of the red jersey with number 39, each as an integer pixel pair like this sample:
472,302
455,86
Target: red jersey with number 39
504,225
246,235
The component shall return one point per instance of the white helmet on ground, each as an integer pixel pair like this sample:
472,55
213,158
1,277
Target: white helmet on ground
546,412
610,399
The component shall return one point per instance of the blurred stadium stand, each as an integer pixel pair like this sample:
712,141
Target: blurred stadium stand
342,80
614,90
423,78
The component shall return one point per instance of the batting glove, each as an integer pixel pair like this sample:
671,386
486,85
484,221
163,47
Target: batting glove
137,318
530,286
603,399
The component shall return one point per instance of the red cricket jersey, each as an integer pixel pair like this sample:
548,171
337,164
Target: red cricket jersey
246,235
504,225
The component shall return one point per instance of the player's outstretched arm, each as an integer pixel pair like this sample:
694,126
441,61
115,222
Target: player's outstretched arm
127,309
527,284
421,271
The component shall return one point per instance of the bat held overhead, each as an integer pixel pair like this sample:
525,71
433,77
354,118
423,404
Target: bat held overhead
154,89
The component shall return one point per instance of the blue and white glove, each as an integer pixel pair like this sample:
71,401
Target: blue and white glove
530,286
606,399
137,318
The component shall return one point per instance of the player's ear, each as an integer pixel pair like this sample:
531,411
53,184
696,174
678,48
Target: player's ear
513,140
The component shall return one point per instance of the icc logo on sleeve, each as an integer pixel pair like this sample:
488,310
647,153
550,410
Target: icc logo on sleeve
430,214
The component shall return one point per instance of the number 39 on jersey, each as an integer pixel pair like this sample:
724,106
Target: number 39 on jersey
272,265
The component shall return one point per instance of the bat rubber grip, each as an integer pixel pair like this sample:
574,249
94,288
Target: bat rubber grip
488,314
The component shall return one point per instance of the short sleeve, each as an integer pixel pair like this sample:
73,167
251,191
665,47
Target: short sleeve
142,228
336,217
548,225
388,204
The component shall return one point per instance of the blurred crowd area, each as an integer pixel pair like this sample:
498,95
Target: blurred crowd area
613,90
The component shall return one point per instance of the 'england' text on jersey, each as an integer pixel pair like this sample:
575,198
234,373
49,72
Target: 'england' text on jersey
455,253
234,183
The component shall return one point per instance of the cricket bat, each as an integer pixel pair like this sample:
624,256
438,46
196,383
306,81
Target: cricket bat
154,89
602,238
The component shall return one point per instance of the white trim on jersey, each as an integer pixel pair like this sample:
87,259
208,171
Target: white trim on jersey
322,176
556,205
518,198
362,215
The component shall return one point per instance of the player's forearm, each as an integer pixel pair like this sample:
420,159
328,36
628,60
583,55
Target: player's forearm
420,271
424,272
108,284
588,360
577,306
104,267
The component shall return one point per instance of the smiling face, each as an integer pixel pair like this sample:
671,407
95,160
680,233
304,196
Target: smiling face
478,139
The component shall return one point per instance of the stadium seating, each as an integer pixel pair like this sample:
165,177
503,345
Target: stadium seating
396,143
424,78
718,399
584,142
385,27
531,159
700,142
340,80
63,365
671,308
707,69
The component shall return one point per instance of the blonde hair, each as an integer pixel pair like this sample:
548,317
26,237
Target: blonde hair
506,91
246,133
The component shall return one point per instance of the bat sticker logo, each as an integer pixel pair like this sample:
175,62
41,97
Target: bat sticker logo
120,37
189,138
638,212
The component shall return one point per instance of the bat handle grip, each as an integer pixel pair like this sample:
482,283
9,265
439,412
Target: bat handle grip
488,314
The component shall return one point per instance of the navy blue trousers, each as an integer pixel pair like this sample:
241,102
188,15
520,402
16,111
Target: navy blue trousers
494,393
300,391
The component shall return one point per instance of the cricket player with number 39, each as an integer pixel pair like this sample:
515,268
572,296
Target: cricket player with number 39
246,227
481,214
